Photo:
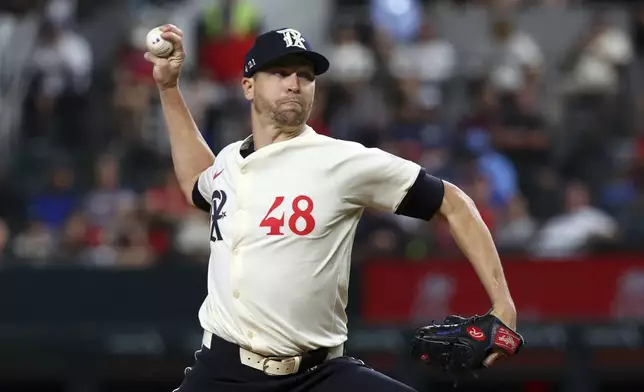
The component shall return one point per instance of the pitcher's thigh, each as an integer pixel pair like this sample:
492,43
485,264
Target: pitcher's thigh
348,374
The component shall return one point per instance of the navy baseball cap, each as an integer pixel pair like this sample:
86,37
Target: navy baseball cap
275,44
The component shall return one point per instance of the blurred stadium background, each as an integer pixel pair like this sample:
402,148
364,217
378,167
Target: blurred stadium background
535,108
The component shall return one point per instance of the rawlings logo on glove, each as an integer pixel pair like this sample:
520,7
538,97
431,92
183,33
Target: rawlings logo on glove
507,340
463,343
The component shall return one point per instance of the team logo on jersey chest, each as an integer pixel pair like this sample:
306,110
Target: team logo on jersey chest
216,213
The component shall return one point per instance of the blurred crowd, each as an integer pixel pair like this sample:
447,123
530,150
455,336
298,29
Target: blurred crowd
554,174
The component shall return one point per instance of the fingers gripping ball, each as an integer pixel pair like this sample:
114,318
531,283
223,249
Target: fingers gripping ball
157,45
461,344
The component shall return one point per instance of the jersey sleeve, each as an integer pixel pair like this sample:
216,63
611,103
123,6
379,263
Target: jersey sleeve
377,179
203,187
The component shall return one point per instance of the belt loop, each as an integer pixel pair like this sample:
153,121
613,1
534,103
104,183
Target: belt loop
207,339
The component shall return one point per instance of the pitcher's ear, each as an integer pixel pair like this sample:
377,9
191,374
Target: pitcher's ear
248,85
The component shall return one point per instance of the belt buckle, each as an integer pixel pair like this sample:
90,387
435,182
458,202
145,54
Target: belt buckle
265,364
286,361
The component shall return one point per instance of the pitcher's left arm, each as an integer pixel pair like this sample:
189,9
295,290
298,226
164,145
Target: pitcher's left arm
431,196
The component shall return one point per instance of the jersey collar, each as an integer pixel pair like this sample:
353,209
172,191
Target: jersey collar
247,146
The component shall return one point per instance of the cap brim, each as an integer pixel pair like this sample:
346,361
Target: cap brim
320,63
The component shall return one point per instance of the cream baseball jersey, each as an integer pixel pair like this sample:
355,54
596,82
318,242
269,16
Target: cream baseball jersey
283,220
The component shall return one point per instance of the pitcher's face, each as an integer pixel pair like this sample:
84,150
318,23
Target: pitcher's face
283,90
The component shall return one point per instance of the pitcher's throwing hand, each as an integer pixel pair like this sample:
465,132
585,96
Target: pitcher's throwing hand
167,70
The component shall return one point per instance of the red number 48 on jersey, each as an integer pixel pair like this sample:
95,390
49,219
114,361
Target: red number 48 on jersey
302,207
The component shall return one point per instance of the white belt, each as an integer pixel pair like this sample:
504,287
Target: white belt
273,366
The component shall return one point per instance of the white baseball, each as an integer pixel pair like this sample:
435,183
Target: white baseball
157,45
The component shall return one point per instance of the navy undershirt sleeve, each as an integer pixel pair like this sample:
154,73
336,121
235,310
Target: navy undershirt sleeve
424,198
198,200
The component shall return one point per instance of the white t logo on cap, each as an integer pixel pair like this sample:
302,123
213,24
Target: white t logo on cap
292,38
